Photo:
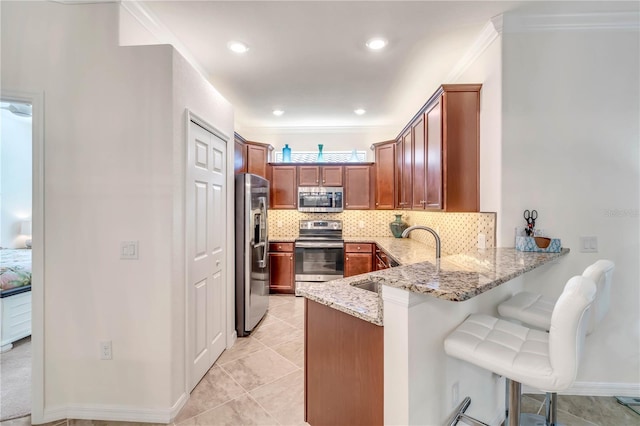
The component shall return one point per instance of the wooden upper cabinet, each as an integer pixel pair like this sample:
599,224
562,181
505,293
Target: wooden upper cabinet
284,191
239,157
434,156
257,158
320,175
251,157
418,197
309,175
385,169
405,159
357,187
460,147
437,154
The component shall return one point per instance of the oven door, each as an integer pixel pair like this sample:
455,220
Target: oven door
319,261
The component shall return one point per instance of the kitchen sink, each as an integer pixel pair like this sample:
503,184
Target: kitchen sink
367,285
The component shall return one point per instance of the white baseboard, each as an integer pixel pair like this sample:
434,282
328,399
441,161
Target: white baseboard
115,412
596,389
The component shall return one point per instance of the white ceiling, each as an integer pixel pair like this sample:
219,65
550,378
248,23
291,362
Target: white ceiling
309,57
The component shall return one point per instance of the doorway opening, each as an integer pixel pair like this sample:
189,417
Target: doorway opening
16,214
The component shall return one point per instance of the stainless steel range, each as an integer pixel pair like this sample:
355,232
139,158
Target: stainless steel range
319,251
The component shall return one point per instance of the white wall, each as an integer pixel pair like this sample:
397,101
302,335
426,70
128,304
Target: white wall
571,133
113,154
15,178
487,69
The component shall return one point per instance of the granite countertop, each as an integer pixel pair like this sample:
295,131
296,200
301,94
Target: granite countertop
455,277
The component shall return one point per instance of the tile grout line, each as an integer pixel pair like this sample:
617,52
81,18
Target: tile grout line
245,392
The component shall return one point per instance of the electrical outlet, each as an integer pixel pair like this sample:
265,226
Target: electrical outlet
279,224
361,224
455,394
105,350
482,241
129,250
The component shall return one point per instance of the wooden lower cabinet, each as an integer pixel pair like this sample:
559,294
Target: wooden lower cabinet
358,258
344,368
281,268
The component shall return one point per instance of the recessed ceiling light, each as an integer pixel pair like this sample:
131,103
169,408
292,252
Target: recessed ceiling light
359,111
376,43
237,46
278,112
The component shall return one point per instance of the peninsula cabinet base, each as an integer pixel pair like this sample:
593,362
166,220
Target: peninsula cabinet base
343,372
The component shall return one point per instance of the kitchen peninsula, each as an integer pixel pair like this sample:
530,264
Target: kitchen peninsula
415,307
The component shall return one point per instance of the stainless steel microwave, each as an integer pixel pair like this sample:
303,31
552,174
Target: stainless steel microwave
320,199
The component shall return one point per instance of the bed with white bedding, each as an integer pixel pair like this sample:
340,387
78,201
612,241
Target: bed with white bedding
15,296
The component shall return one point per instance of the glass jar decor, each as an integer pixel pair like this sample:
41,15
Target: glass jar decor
320,158
398,226
286,154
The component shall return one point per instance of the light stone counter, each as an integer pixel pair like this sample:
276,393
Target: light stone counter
455,278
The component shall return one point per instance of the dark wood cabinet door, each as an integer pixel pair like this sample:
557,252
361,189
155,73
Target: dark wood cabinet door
239,157
309,175
434,156
418,199
257,160
357,188
357,263
281,273
407,180
284,192
331,176
461,148
385,169
344,368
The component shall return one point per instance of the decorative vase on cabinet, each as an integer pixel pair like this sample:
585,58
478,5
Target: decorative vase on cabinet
398,226
286,154
320,158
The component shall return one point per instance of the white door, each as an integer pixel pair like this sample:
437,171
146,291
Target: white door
206,254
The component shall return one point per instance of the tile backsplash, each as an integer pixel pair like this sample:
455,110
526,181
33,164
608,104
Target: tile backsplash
458,231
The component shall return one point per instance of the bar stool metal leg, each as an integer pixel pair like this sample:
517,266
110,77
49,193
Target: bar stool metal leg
551,409
513,411
459,415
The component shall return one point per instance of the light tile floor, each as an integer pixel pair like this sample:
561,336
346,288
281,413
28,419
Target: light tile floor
259,381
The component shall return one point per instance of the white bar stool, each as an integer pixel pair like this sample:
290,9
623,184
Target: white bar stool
535,310
546,361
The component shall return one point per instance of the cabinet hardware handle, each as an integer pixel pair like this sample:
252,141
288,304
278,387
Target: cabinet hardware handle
377,204
323,181
346,204
279,247
358,247
347,258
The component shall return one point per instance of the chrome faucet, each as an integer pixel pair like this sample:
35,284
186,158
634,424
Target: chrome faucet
406,232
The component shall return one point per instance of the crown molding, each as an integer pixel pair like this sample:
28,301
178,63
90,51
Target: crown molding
151,23
84,1
490,32
316,129
612,21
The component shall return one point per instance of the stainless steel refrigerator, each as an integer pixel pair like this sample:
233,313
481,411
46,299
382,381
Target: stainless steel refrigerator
252,246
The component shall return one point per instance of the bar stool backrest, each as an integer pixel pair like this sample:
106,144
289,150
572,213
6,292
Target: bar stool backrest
601,273
568,329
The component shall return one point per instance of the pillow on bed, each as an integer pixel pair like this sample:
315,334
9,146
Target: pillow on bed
14,277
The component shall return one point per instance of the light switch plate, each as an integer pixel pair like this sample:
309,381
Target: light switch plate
589,244
129,250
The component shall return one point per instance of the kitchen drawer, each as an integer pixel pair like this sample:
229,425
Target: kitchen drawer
284,247
358,248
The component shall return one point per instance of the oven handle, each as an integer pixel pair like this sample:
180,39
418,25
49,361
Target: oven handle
323,244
